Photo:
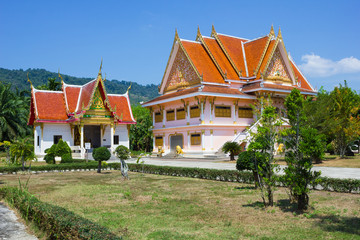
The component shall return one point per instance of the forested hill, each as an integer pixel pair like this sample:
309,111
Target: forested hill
38,77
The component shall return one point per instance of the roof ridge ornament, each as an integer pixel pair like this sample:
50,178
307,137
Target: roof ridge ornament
176,35
272,32
99,74
62,81
129,88
213,32
28,79
198,34
279,34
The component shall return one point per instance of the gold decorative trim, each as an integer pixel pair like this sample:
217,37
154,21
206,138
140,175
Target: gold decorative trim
263,54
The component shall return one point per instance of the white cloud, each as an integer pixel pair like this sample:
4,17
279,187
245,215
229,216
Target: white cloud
316,66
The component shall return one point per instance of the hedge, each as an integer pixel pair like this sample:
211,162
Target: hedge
328,184
57,222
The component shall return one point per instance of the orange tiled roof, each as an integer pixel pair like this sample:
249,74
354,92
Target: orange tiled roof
303,83
266,57
253,51
50,106
275,87
233,46
220,89
221,58
202,61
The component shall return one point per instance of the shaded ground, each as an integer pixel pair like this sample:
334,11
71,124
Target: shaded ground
161,207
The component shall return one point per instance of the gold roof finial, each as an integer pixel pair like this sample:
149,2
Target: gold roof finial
213,30
272,32
99,74
105,77
198,35
176,35
62,81
279,33
129,87
28,79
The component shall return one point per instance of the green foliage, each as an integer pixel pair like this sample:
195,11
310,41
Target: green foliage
66,158
303,144
263,143
57,222
246,161
62,148
50,154
39,77
14,109
122,152
101,154
141,137
231,147
22,150
52,85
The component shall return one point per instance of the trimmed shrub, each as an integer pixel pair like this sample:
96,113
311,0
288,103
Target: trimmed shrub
122,152
62,148
57,222
50,154
101,154
66,158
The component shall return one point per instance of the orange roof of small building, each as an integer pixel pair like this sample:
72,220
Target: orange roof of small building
267,56
202,61
274,87
73,101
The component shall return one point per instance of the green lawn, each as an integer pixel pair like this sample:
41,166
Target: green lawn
162,207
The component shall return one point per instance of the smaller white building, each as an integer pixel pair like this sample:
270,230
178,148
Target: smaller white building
78,115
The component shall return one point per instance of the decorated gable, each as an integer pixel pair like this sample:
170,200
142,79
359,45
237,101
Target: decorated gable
182,74
277,69
97,108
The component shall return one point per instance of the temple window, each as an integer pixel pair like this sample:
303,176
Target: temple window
180,113
57,138
158,117
195,139
38,141
159,141
116,139
222,111
245,112
170,115
194,111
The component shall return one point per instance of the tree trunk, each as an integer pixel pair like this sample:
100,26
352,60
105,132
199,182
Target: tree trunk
303,201
23,163
232,157
256,179
99,167
270,196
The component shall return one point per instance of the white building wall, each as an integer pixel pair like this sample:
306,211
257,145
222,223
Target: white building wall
106,137
122,132
54,129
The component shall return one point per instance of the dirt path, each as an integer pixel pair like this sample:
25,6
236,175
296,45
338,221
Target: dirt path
10,227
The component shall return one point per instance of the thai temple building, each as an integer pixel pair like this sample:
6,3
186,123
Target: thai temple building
80,115
209,85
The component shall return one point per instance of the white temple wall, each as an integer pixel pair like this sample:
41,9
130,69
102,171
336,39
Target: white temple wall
122,132
50,130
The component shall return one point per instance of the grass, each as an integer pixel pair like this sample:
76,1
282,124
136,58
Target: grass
161,207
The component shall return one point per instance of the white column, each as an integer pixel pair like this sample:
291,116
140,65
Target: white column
42,138
188,140
203,139
164,118
202,112
234,113
82,141
164,141
153,118
154,146
112,137
211,112
188,114
35,140
212,139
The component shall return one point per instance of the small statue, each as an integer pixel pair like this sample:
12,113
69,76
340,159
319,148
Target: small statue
179,151
160,151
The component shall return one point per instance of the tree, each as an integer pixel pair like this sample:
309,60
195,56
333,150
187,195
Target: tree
141,137
13,114
51,85
123,153
101,154
263,143
344,117
22,149
248,160
231,147
303,143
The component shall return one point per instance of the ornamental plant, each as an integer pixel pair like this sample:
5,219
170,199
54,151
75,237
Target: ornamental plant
123,153
101,154
231,147
249,160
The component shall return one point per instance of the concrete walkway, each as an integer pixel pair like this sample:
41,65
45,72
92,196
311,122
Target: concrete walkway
332,172
10,228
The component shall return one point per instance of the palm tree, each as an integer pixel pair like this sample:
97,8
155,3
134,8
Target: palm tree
23,149
13,114
231,147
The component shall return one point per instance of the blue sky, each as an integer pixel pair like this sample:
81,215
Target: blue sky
135,37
